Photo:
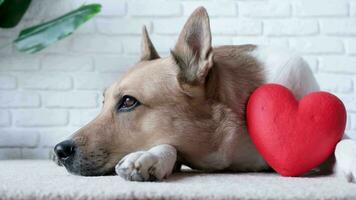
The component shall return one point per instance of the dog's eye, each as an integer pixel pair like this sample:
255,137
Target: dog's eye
128,103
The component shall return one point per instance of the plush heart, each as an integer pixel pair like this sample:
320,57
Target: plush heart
294,137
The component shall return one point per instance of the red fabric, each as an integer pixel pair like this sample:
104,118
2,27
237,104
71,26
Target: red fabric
294,137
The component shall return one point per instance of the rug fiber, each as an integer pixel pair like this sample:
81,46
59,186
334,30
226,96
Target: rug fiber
43,180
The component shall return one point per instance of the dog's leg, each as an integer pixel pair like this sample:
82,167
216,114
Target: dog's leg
345,154
154,164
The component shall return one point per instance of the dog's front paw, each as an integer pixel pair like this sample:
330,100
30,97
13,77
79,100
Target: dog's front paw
155,164
139,166
345,154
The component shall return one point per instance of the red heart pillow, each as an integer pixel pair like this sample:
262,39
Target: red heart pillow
294,137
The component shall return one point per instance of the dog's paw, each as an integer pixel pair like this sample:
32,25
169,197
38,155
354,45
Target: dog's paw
345,154
155,164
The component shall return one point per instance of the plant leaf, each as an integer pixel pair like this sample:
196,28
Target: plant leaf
36,38
12,11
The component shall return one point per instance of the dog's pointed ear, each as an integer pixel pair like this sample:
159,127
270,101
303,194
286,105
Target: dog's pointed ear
193,51
148,51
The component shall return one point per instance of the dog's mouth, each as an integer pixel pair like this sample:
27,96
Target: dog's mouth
86,164
81,165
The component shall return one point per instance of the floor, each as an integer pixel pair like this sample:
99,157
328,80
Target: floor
30,179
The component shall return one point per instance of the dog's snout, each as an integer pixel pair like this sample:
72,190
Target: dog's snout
65,149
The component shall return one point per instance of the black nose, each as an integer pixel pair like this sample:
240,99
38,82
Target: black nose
65,149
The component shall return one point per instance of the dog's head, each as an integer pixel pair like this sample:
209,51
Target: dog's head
157,101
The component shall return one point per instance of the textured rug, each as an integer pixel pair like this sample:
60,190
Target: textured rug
31,179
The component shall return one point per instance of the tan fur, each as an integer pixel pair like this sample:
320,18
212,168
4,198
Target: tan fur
193,100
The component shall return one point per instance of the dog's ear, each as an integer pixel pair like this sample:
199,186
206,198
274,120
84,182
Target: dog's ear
148,51
193,51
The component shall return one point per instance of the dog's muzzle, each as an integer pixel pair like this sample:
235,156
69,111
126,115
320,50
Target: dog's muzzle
91,163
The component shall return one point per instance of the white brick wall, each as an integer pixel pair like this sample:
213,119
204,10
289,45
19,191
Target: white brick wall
47,96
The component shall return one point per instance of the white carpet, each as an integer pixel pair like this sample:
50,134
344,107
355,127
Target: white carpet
44,180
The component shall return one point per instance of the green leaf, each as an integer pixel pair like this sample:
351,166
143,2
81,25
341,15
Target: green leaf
12,11
38,37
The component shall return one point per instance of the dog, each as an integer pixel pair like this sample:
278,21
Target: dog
189,108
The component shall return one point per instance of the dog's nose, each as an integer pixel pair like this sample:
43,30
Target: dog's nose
65,149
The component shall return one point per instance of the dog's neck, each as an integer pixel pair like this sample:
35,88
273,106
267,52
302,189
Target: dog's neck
234,76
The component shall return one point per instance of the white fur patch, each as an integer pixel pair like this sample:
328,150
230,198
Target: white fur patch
345,154
154,164
286,68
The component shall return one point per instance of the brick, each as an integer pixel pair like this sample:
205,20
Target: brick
5,44
351,134
50,138
280,42
105,63
306,8
45,81
18,138
20,63
171,26
349,101
156,8
348,122
36,153
335,83
338,64
132,45
19,99
264,9
65,63
353,9
291,27
109,8
317,45
221,40
40,118
49,8
229,26
7,82
97,44
10,153
101,100
163,44
345,27
77,99
352,121
8,32
73,129
214,8
82,117
59,46
350,46
93,80
121,26
313,62
113,8
5,119
88,27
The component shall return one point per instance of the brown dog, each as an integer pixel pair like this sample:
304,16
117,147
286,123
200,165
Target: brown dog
188,108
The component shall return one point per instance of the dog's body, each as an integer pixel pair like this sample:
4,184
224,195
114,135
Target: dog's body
188,108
